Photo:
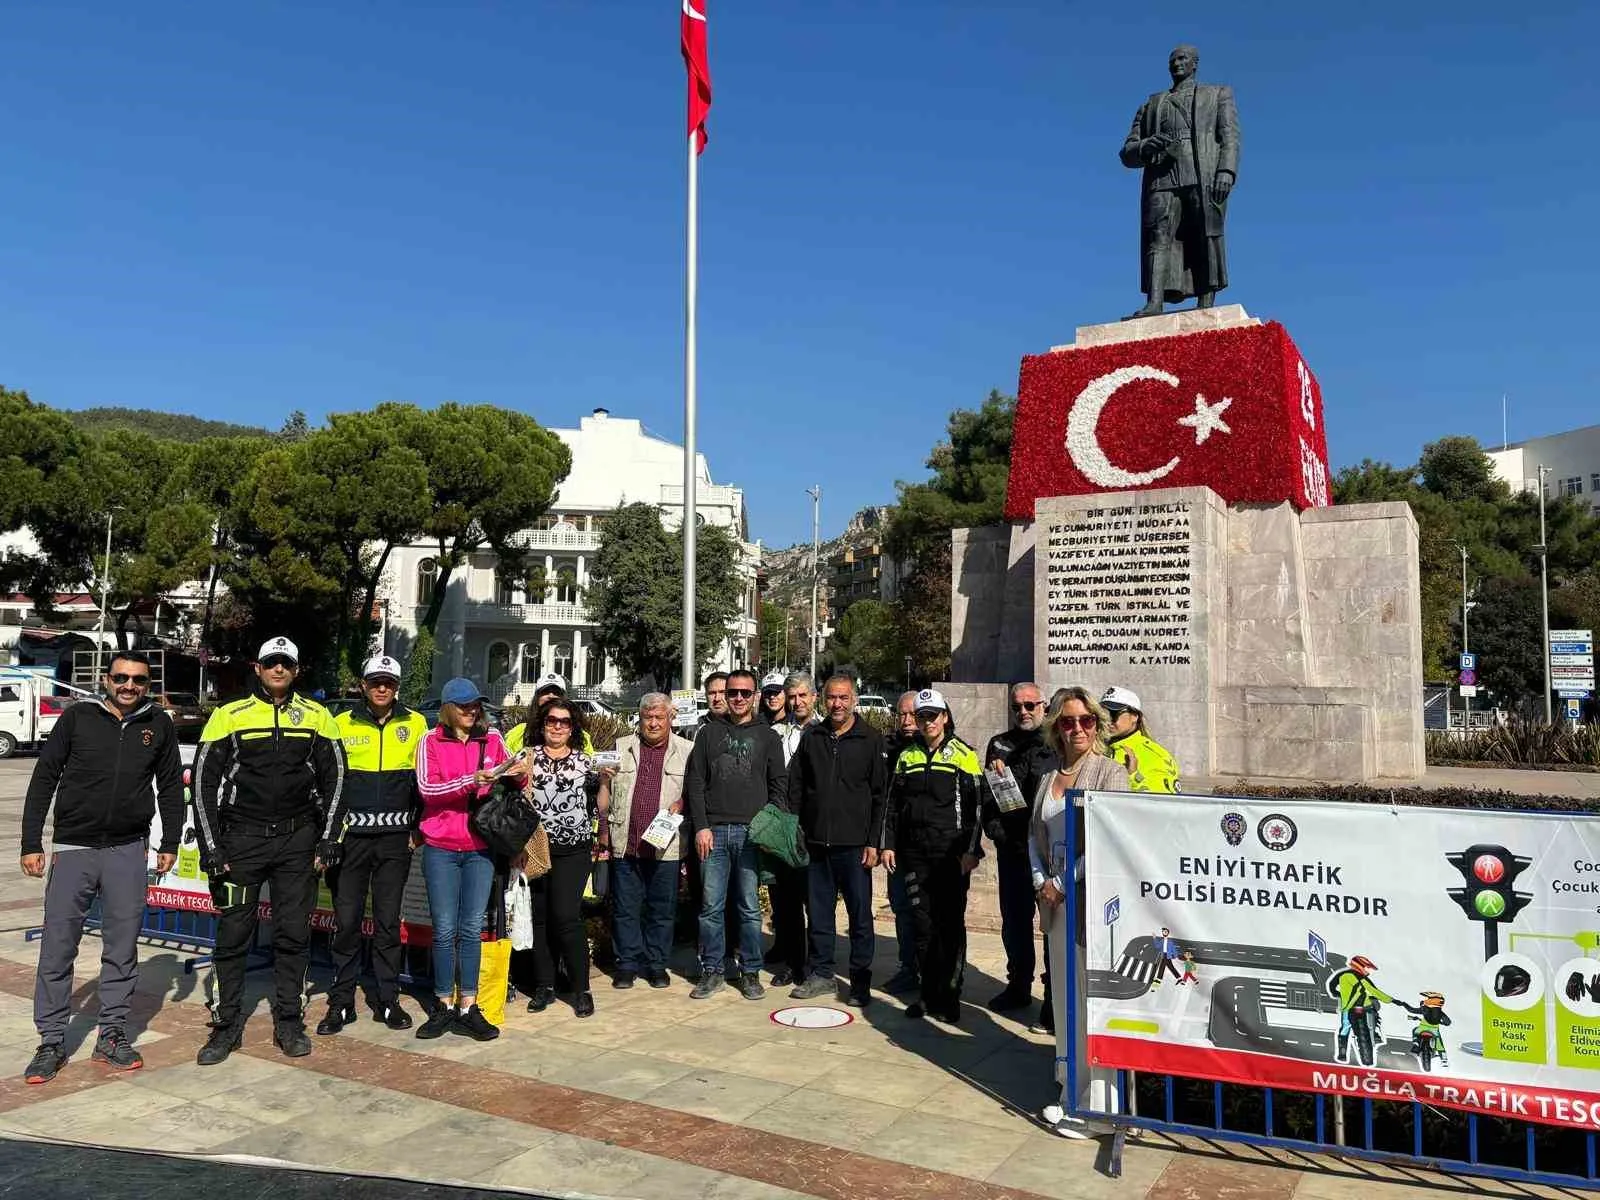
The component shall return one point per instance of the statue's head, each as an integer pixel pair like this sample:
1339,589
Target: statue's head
1182,62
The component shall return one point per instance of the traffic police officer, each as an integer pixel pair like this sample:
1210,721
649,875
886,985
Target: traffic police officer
268,801
1151,767
380,738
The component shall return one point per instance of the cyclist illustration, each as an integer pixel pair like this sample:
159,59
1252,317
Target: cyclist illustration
1358,1009
1427,1043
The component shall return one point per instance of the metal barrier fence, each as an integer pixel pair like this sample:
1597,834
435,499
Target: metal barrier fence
1408,1132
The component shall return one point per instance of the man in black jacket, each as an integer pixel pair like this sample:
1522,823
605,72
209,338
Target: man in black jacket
734,771
1023,752
838,784
98,763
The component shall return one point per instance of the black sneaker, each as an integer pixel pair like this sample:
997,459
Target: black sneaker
475,1025
393,1016
543,998
442,1018
623,980
49,1058
901,982
815,988
750,987
290,1037
660,979
114,1049
1046,1022
915,1011
858,998
224,1040
950,1015
1010,1000
583,1005
710,983
782,977
336,1020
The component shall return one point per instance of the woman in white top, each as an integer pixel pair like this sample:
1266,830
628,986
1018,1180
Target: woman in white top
1075,729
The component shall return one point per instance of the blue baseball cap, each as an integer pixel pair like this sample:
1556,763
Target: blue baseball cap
460,690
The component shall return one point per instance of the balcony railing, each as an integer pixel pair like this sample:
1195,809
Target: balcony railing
704,493
556,539
527,614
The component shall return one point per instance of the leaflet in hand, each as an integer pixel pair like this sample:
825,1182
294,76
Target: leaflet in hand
606,758
1008,796
660,832
500,769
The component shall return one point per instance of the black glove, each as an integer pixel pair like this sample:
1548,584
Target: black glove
329,853
996,833
213,864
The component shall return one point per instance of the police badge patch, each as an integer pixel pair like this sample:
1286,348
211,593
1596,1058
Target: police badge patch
1233,828
296,715
403,734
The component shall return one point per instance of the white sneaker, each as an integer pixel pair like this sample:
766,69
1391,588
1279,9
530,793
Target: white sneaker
1062,1125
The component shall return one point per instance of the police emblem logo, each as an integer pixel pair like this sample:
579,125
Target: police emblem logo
296,715
1234,828
403,734
1277,832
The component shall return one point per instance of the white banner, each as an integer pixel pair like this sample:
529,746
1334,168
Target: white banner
1294,944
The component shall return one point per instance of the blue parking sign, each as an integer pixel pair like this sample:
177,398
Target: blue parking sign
1469,662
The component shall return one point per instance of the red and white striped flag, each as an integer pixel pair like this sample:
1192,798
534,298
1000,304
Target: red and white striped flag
693,29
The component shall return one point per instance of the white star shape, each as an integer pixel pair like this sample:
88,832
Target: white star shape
1206,417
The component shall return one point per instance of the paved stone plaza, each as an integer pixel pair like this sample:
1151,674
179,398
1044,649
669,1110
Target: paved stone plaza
654,1097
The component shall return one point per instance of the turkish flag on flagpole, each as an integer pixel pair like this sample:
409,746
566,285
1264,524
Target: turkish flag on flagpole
693,30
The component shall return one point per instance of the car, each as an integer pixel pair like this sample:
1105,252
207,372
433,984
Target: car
871,703
188,717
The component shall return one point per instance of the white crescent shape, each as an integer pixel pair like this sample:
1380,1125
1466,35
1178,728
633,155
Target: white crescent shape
689,12
1083,429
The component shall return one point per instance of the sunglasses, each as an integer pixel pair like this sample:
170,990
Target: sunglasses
928,714
1114,710
390,684
137,680
1026,705
741,693
558,722
1085,723
286,663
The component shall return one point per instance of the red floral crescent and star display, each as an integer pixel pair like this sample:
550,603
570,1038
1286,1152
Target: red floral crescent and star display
1236,410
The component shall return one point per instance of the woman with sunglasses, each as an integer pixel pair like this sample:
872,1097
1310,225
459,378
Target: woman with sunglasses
559,779
1075,729
454,765
932,836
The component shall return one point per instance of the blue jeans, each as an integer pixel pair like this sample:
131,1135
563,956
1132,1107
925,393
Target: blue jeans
459,882
905,925
733,856
644,899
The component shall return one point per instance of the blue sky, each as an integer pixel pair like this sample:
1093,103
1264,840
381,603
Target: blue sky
241,209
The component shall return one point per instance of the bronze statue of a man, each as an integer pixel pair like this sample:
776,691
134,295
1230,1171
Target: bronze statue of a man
1186,140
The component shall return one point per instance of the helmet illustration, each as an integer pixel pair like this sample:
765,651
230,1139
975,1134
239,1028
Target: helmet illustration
1362,965
1432,999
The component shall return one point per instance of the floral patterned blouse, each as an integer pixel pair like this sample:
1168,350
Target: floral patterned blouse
561,798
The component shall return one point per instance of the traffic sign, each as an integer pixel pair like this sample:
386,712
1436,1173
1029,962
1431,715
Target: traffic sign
1469,662
1574,709
1469,690
1572,635
1560,659
1113,910
1571,647
1469,677
1316,948
1573,693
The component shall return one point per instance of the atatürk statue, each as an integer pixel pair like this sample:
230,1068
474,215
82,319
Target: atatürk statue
1186,140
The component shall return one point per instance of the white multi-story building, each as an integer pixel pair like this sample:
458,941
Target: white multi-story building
1573,459
506,634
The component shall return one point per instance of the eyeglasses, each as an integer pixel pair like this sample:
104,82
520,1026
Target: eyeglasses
1086,723
389,684
1026,705
136,680
278,661
740,693
928,714
558,722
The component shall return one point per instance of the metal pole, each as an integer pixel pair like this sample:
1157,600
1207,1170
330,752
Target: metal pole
1466,701
816,566
1544,596
690,289
105,588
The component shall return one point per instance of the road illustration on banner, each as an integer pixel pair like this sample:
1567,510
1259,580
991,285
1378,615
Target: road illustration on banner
1446,956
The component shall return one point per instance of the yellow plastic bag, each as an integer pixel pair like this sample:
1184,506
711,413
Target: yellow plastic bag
494,979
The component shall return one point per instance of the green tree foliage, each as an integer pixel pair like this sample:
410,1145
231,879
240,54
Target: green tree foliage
635,592
866,641
968,488
164,426
1458,503
416,685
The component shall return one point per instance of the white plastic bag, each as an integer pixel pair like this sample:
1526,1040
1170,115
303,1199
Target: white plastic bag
519,913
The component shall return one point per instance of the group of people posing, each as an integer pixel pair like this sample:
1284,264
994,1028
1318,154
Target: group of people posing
283,791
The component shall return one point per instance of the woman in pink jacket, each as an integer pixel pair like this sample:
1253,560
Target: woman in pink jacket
453,765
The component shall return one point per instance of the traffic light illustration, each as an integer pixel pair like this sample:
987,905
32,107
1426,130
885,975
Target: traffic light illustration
1490,897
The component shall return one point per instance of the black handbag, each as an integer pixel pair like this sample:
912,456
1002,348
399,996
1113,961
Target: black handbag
503,819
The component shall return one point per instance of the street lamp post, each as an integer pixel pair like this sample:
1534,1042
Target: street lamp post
105,590
1544,595
816,565
1466,700
908,672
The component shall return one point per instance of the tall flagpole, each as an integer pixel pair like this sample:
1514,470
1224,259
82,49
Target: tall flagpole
690,286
